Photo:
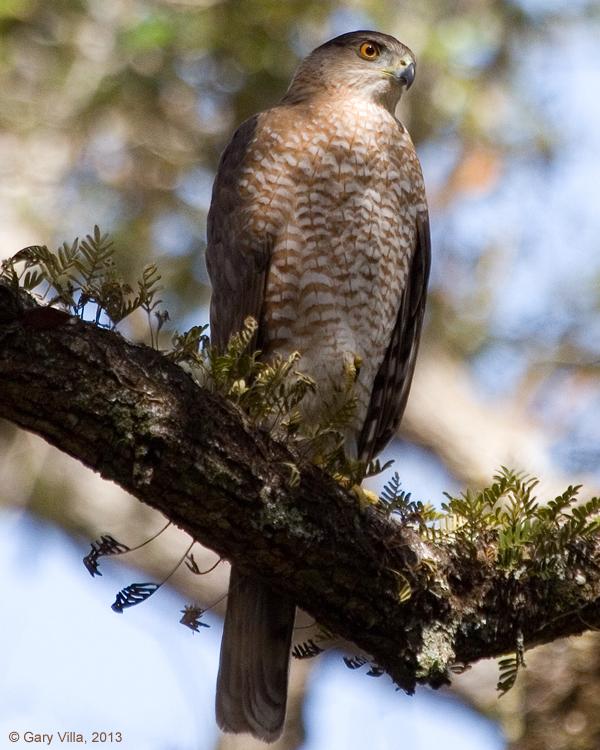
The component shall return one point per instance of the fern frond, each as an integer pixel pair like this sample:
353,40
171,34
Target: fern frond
105,545
510,666
509,669
306,650
355,662
82,278
134,594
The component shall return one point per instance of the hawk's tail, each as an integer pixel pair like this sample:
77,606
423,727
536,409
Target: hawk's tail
255,655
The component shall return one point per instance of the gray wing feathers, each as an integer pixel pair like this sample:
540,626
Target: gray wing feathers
393,379
255,654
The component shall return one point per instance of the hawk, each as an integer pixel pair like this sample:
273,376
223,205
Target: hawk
318,228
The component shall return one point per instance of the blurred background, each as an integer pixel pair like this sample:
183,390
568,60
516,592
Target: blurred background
115,113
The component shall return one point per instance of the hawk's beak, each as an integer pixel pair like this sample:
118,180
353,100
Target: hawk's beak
405,76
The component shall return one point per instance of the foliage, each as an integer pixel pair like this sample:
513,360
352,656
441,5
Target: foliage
397,502
306,650
192,617
506,522
541,539
357,661
267,392
82,279
134,594
271,394
506,526
314,646
105,545
509,667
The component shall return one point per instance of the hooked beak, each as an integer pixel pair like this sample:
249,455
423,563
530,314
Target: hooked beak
405,76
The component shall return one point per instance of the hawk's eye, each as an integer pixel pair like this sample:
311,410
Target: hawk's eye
369,51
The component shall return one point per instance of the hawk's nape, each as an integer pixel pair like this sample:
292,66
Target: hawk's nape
318,228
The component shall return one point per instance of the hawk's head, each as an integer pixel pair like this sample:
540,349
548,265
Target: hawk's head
370,63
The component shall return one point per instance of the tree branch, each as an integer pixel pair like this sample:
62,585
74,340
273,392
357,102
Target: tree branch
138,419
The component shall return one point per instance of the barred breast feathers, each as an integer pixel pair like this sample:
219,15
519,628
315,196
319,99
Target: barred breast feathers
337,203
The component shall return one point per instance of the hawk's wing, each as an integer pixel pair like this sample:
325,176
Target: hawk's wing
237,261
393,379
253,667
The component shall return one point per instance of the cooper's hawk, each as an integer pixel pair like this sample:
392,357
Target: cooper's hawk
318,229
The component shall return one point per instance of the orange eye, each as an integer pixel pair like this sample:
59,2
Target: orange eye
369,51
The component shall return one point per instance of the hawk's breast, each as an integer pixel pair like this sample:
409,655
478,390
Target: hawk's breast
336,190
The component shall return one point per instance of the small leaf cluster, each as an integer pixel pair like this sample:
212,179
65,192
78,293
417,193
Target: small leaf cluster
397,502
271,392
506,521
545,539
511,528
267,392
82,279
324,442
